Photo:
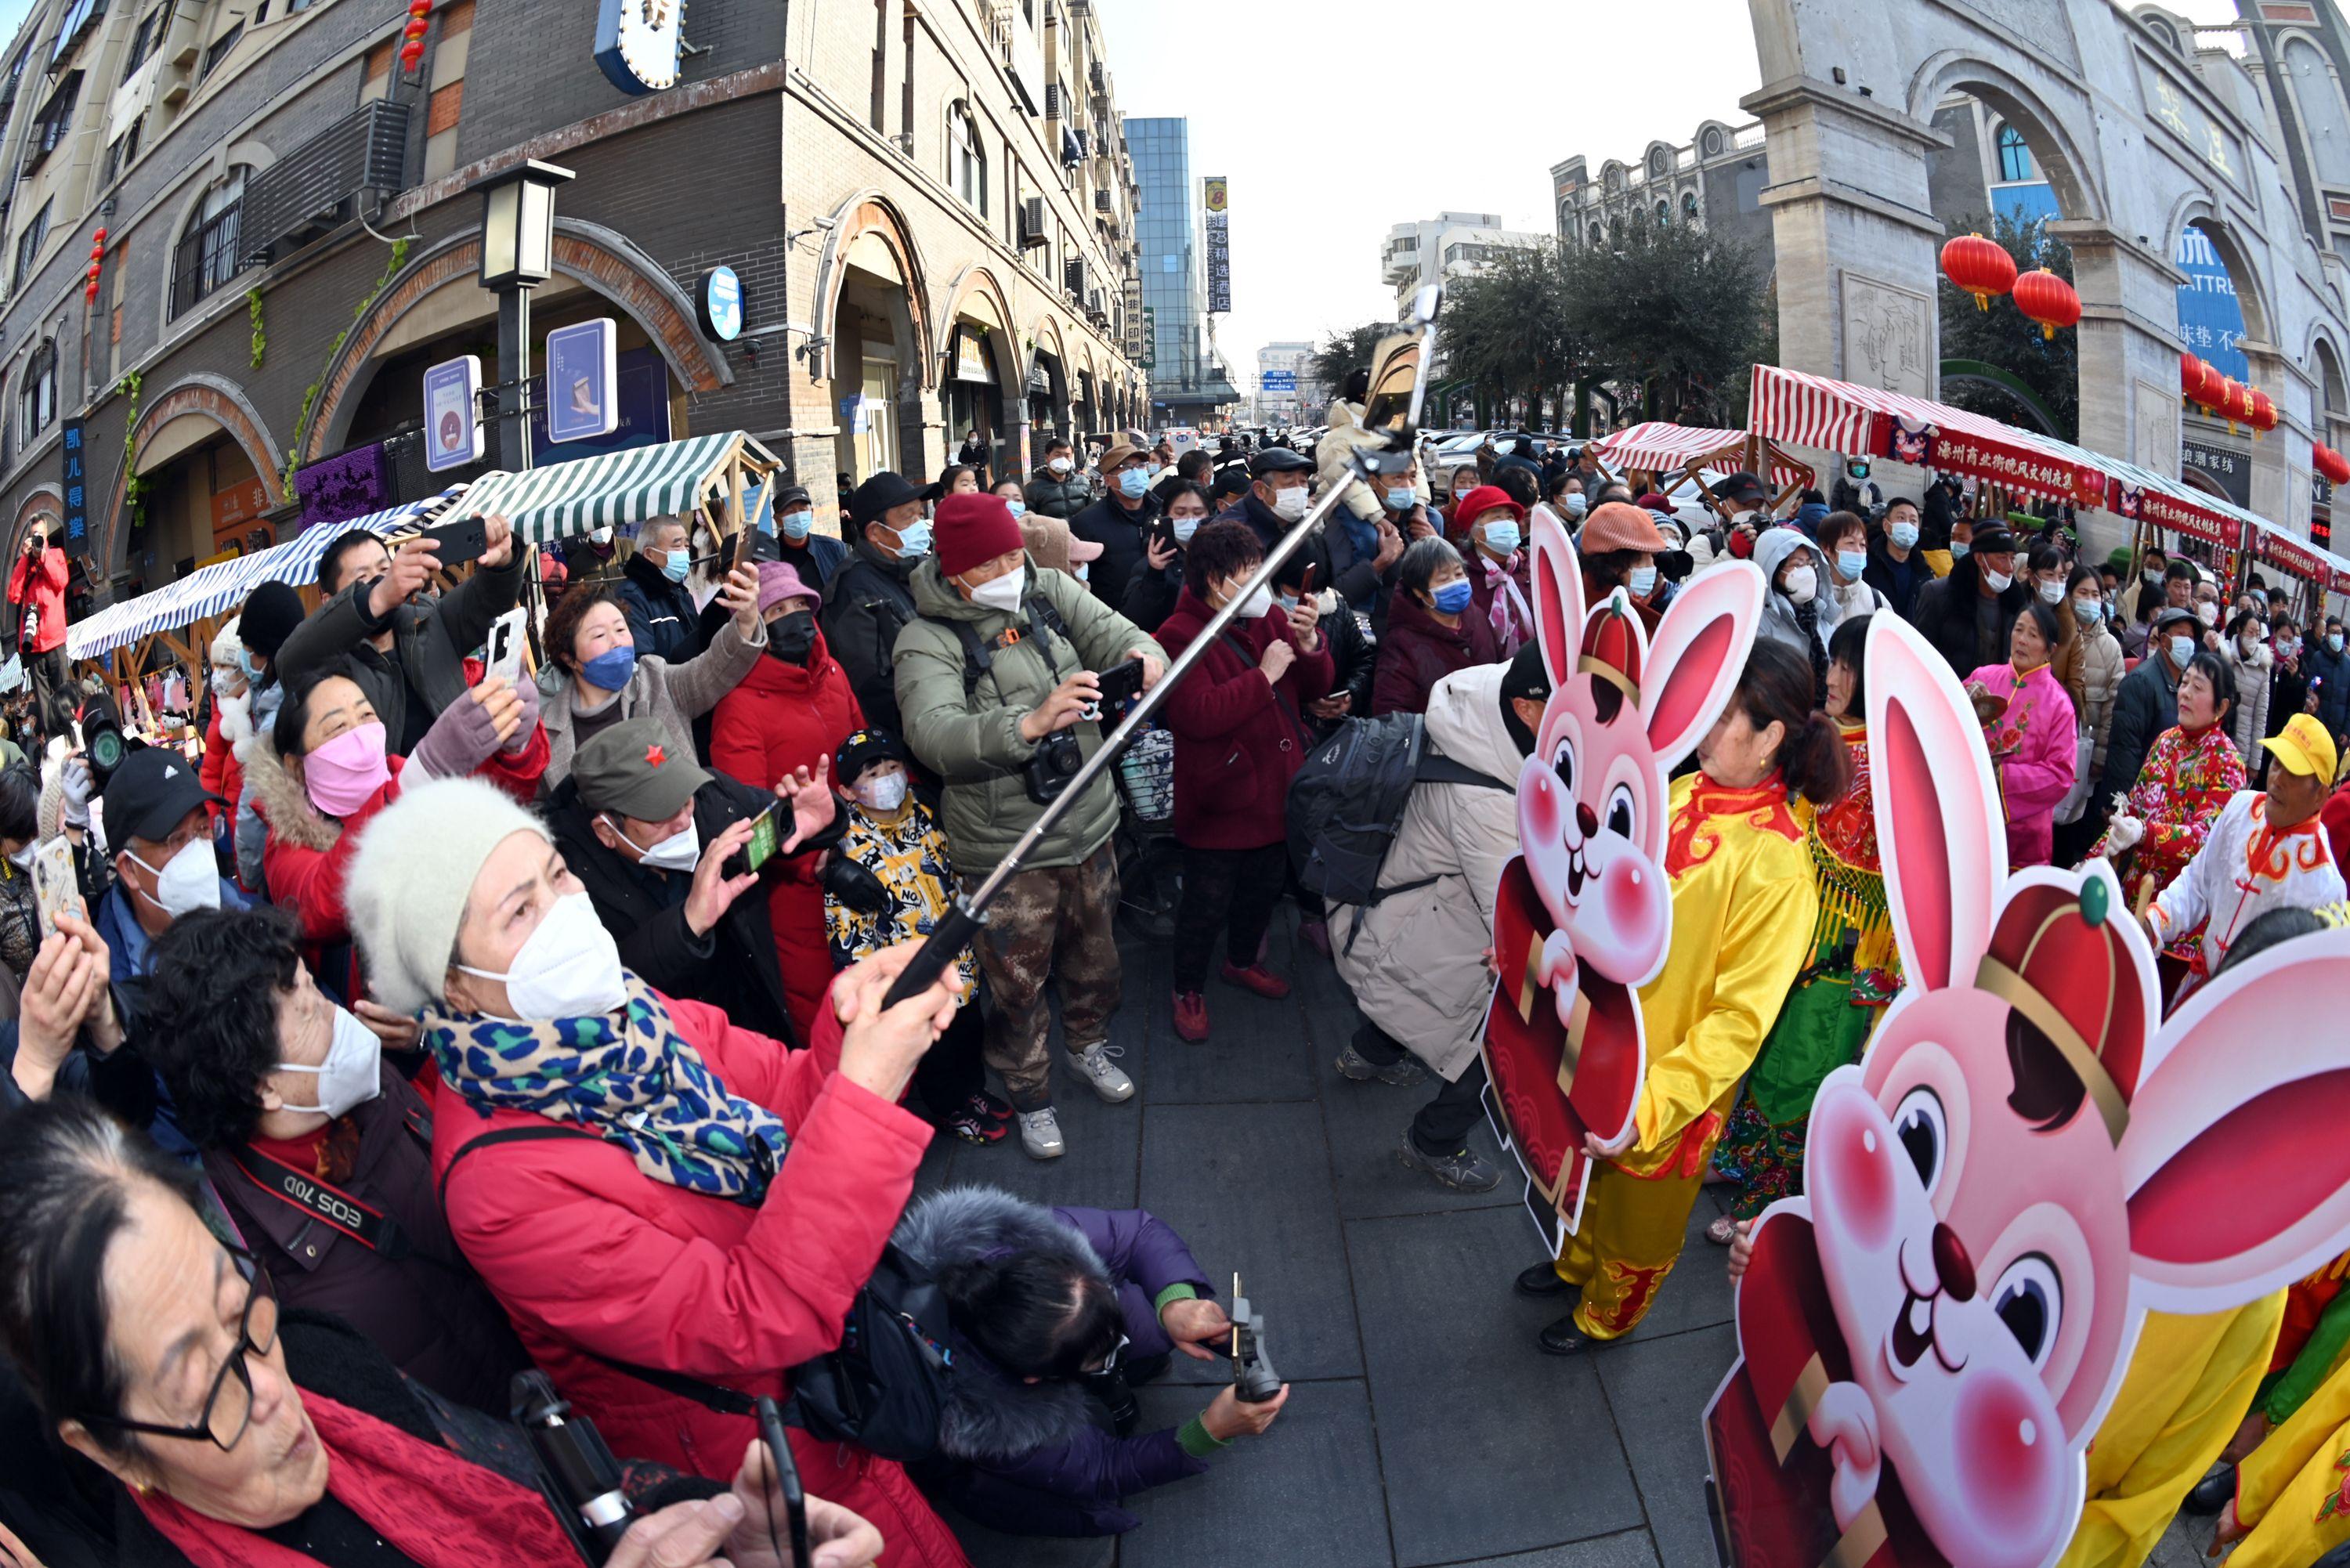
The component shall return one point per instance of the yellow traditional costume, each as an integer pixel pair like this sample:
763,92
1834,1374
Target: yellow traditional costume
1744,906
2294,1491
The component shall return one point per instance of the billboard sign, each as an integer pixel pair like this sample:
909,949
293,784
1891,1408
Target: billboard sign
580,376
1219,256
76,492
452,414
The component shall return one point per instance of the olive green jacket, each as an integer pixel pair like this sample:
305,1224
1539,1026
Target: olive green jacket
975,745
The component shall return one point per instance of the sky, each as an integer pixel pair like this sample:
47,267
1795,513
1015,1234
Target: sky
1334,123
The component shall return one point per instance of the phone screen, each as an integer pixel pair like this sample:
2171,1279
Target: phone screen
503,655
760,846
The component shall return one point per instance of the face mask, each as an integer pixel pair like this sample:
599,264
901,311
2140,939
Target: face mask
676,564
1133,482
352,1073
1959,548
1502,537
1903,535
1999,581
1576,505
22,860
568,967
1850,563
1287,601
2250,642
2050,592
1289,506
250,665
342,776
1402,500
914,539
2182,648
2088,611
2152,573
1018,509
2333,643
680,851
611,668
1802,584
792,637
2208,614
883,792
1152,470
1185,528
599,535
1058,465
2288,646
1258,601
796,524
1452,598
1640,580
1003,593
221,684
185,883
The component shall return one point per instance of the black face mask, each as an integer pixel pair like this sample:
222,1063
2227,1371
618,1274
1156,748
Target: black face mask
792,637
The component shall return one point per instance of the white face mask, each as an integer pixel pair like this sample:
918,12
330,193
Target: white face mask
2208,614
352,1073
187,882
22,860
1290,505
680,851
1998,581
1059,465
2052,591
1003,593
1802,584
883,792
568,967
1255,605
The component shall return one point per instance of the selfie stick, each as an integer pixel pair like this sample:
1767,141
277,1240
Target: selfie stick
965,915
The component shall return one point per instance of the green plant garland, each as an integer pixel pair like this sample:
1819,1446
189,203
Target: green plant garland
311,393
134,488
253,313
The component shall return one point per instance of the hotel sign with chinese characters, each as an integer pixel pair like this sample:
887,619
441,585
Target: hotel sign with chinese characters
2175,106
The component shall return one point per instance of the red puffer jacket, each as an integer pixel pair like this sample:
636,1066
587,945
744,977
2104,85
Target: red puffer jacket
1237,745
588,1253
782,717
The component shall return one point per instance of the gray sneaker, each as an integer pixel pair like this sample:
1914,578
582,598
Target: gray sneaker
1109,1080
1466,1171
1039,1135
1353,1063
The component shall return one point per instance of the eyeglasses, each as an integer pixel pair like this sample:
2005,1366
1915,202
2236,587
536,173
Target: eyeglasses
228,1408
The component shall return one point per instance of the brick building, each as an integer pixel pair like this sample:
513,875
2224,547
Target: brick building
930,208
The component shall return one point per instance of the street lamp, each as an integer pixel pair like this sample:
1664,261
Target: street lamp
517,255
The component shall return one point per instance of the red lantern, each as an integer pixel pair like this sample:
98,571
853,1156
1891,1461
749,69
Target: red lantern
2262,415
2332,464
2206,391
2190,374
1979,267
2231,400
2047,299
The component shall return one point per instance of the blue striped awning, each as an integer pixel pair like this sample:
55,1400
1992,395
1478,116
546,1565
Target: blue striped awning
618,489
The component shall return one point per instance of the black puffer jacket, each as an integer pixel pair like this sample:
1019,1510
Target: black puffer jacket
866,606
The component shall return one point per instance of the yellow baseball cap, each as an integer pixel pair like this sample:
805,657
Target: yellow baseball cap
2304,747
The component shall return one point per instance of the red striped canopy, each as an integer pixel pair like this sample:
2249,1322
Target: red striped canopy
1657,446
1841,417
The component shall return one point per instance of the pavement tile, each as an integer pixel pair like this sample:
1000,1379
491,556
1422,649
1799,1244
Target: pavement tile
1099,1169
1366,1125
1658,1391
1303,1495
1255,1049
1630,1549
1488,1446
992,1548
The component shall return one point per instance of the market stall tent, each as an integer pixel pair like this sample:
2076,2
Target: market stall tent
1657,447
622,489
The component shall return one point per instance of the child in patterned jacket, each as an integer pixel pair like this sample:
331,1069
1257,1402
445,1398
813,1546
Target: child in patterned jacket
891,881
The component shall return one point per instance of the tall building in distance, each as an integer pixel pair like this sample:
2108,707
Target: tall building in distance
1446,246
1283,389
1715,182
1189,384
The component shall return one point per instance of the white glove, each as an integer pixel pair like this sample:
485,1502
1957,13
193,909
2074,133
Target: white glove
76,782
2124,834
2119,805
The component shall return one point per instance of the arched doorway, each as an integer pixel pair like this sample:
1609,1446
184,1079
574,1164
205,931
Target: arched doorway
1048,380
869,295
203,478
978,387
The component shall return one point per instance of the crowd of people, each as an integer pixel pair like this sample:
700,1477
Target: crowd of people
420,1029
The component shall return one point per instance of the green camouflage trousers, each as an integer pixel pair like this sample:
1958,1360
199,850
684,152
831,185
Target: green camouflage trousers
1060,920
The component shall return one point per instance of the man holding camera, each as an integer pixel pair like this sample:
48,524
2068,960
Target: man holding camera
997,689
37,589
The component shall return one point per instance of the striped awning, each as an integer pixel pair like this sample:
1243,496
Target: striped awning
1803,410
225,585
1657,446
619,489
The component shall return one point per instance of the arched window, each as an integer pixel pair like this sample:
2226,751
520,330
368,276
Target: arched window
1615,231
208,255
1689,207
1598,238
966,162
1663,214
2014,157
36,394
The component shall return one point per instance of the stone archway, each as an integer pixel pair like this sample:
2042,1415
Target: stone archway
975,294
869,213
211,397
45,502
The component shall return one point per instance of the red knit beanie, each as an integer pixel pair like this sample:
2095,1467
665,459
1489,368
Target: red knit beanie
971,530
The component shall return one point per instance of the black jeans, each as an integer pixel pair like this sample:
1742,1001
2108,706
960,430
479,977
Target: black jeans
1442,1125
1233,890
951,1070
53,698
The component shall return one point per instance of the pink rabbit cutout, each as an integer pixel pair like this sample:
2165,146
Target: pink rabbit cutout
1589,883
1997,1196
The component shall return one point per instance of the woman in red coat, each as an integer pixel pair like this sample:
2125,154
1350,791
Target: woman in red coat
635,1178
1240,738
1433,629
792,711
221,773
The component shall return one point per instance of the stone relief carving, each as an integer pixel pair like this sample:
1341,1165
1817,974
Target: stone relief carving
2155,430
1888,338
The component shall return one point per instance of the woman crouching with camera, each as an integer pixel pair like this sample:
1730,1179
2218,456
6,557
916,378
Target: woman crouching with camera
613,1161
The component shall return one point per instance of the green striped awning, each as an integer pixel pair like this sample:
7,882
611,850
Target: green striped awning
617,488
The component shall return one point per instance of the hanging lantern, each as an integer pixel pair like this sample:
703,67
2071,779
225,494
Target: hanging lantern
2231,399
1979,267
97,265
2047,299
2206,392
2332,464
2190,375
2262,414
411,52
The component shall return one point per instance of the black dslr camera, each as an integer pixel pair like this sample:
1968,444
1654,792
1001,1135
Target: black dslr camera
1253,1379
1056,761
578,1471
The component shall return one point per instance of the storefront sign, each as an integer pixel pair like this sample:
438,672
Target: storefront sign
2231,470
580,371
77,488
970,358
2019,468
641,376
636,43
236,512
452,414
2184,516
719,302
1219,255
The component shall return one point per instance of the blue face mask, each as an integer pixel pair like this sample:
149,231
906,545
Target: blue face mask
1576,505
2182,648
795,525
2333,641
250,665
1185,528
1503,535
1850,563
1152,470
2088,611
1134,482
1018,509
1640,580
610,670
677,564
1959,549
1402,500
914,539
1903,535
1452,598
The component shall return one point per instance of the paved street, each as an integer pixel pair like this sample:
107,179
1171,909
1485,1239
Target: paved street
1423,1427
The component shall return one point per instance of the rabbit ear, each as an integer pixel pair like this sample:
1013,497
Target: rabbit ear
1558,597
1938,819
2234,1162
1699,653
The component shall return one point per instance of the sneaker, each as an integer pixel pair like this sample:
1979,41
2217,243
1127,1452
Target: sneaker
1190,1016
987,1107
1353,1063
1465,1171
1109,1081
1316,935
971,1127
1259,979
1039,1135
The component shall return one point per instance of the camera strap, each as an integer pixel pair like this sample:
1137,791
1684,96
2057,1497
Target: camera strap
363,1223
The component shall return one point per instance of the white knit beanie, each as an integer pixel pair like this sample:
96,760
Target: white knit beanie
411,877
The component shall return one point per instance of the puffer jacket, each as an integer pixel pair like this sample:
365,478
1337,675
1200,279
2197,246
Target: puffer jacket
2101,678
868,605
676,694
1415,961
1058,496
1238,737
1417,651
1038,1458
2248,725
973,742
244,728
1338,443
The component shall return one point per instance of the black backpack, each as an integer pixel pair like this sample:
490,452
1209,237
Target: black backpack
1347,802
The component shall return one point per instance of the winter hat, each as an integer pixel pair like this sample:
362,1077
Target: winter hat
411,877
778,582
1052,545
271,613
1620,525
1471,509
971,530
226,644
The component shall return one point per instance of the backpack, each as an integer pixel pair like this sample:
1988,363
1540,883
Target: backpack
1347,801
1044,620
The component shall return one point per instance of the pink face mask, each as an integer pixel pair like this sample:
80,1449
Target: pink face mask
341,774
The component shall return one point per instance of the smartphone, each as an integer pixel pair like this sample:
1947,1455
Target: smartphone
1120,685
761,848
454,544
503,652
1306,584
787,1486
758,544
54,889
